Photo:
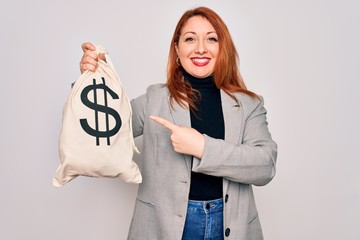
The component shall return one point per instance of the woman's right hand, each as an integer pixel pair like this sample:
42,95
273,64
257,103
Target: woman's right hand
89,60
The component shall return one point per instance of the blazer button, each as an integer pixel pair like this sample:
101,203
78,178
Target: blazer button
226,198
227,232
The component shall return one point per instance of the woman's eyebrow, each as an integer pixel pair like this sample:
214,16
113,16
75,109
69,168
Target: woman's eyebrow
195,32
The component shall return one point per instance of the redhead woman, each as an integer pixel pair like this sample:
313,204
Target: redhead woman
206,140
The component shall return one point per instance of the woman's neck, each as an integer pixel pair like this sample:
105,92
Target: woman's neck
200,83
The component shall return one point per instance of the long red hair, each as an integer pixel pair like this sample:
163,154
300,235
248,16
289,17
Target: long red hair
226,72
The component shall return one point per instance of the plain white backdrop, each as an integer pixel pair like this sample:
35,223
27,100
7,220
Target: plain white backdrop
303,57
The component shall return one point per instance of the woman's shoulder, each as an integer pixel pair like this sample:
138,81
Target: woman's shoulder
156,91
249,103
152,90
155,88
248,100
155,94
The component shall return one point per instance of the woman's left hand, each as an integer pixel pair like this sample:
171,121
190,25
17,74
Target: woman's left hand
185,140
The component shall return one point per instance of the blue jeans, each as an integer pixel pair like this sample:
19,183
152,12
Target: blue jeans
204,220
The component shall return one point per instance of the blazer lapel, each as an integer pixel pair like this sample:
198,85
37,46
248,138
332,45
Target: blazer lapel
232,118
233,121
181,117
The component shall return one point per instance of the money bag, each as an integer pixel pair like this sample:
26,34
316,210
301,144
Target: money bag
96,138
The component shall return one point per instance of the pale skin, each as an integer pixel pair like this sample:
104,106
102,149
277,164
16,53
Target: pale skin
197,50
198,47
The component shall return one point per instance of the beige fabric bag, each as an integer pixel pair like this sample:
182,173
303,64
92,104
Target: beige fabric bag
96,138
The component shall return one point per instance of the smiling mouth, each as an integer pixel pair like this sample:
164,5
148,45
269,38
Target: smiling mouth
200,61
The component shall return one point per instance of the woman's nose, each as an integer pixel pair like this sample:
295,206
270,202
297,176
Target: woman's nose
200,47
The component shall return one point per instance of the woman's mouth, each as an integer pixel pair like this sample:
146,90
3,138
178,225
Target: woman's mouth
200,61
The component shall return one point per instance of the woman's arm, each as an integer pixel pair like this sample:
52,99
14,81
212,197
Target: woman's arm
251,162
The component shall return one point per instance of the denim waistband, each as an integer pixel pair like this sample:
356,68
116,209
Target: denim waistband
206,206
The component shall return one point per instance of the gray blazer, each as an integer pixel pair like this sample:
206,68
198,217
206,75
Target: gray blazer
246,157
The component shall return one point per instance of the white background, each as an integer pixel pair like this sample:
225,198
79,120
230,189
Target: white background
301,56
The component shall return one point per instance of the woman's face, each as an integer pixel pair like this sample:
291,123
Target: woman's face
198,47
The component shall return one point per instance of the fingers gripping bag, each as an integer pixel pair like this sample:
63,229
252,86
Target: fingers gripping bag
96,138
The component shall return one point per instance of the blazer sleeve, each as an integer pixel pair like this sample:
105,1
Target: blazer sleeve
138,106
252,161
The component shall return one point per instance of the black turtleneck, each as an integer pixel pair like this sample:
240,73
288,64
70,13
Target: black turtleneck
207,119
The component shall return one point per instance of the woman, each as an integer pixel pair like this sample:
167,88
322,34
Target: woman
206,140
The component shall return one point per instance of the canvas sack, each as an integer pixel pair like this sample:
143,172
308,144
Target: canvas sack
96,138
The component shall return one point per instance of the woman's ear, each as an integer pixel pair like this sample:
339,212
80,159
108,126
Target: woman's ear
176,49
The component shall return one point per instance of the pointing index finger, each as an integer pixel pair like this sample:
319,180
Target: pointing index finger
164,122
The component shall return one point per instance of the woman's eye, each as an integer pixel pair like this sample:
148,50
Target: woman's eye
189,39
213,39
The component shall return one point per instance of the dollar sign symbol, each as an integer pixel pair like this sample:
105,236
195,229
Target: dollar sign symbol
100,108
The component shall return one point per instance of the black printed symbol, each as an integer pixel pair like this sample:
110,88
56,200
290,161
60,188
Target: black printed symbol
100,108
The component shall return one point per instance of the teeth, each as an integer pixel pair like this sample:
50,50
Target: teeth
200,60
